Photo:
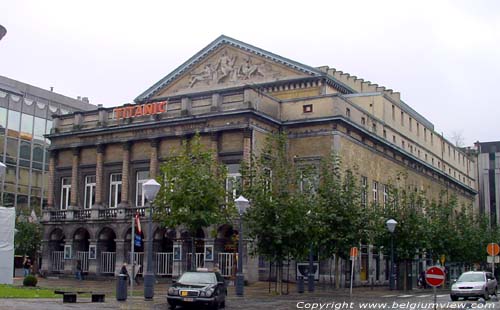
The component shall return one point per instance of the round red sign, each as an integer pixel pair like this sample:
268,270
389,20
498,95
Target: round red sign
434,276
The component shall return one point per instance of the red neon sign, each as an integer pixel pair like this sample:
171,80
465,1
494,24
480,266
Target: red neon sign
140,110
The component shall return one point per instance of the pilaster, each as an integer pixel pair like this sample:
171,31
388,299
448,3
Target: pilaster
99,176
125,174
74,178
50,186
120,254
247,145
153,162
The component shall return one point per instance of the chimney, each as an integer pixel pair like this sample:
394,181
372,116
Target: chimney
85,99
52,88
99,105
79,98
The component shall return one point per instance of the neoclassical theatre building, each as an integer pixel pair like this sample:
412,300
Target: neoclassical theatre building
233,94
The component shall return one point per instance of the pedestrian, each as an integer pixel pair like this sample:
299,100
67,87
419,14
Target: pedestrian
79,275
26,266
124,270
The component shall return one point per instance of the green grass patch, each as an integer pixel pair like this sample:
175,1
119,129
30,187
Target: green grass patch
11,291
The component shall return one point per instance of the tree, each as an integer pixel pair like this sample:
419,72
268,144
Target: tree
275,219
28,238
193,191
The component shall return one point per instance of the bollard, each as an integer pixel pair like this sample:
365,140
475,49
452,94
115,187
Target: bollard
121,287
300,284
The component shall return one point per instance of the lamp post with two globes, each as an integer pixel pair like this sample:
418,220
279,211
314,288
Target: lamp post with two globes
242,206
391,226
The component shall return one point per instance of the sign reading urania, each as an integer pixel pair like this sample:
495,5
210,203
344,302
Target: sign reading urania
140,109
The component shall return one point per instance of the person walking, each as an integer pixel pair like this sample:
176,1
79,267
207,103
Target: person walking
124,270
26,266
79,275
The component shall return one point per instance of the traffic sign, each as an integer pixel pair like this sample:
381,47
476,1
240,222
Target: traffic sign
354,252
493,249
434,276
493,259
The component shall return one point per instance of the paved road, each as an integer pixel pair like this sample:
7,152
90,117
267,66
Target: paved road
256,297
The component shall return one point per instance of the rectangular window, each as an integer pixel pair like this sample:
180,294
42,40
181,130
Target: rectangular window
115,189
363,121
410,123
309,181
425,134
393,113
232,185
141,178
432,138
89,192
394,139
374,127
402,118
385,134
418,130
403,144
307,108
375,191
65,192
364,194
348,112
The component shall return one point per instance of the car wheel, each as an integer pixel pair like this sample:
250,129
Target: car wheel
172,307
453,297
223,304
486,294
215,305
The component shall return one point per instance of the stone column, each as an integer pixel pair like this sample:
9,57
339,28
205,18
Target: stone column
120,255
247,145
210,242
52,173
98,176
93,263
125,174
177,264
74,178
68,263
46,258
153,162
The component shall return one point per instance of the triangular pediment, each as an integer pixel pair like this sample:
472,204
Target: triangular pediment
227,63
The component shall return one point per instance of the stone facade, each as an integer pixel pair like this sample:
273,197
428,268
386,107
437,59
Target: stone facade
234,95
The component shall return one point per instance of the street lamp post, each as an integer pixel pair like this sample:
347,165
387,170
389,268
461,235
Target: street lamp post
310,270
150,190
391,226
242,205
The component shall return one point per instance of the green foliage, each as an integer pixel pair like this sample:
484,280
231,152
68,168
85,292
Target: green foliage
30,280
193,189
10,291
276,217
28,238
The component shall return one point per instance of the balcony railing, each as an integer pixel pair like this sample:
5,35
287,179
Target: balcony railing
93,214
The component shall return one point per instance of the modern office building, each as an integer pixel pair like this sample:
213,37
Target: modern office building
234,95
488,171
25,117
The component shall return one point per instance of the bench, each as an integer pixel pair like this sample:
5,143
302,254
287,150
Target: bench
70,297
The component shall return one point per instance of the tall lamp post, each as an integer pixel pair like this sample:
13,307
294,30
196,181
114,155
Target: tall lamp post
150,190
242,205
310,270
391,226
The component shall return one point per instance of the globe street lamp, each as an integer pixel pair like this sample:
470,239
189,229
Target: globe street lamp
150,190
391,226
242,205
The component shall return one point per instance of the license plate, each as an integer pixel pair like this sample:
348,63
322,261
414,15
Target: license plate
184,293
188,299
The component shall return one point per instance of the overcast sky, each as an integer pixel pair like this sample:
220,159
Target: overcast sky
443,56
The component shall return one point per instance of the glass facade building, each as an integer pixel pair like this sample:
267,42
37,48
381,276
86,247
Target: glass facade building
25,117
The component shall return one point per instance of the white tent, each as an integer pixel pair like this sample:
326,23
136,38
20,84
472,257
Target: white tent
7,226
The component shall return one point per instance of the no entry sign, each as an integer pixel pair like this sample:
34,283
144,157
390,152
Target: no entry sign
434,276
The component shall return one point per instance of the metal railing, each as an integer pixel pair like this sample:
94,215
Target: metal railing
108,213
164,263
57,215
57,261
227,264
200,259
138,259
108,262
81,214
83,257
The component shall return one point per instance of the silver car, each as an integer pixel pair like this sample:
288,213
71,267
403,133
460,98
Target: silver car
474,284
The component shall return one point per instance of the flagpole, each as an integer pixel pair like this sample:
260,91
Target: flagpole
132,257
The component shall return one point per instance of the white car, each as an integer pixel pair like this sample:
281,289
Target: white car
474,284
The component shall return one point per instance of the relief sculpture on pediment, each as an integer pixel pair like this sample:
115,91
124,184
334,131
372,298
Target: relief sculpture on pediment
231,68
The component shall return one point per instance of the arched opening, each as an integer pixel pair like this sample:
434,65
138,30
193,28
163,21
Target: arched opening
106,248
81,248
226,247
57,240
163,247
